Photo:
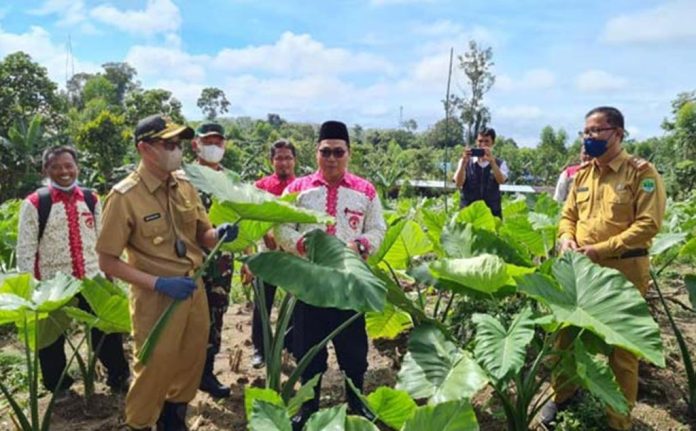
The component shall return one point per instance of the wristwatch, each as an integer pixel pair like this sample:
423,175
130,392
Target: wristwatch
362,250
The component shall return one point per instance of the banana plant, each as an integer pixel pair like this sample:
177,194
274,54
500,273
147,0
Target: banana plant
109,304
28,305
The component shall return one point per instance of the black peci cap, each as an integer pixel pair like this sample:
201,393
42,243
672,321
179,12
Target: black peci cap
159,126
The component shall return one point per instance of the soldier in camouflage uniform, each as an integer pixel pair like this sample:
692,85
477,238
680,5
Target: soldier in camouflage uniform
209,146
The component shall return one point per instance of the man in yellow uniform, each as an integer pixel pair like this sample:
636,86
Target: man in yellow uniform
614,209
155,214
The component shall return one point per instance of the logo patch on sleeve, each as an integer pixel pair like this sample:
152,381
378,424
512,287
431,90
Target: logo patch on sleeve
648,185
152,217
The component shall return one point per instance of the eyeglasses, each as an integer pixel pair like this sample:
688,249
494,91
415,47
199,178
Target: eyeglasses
337,152
594,131
168,144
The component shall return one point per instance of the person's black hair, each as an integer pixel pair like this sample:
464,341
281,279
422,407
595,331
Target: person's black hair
614,117
488,131
282,143
50,153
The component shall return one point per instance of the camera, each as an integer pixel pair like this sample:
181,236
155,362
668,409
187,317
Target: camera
478,152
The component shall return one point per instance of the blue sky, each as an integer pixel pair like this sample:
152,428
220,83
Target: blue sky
360,60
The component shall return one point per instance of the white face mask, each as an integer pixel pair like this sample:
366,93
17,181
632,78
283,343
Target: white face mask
65,189
169,160
211,153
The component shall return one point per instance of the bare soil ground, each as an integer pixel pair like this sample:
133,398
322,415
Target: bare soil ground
661,405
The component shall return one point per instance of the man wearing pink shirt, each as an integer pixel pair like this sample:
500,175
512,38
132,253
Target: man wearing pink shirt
357,210
283,160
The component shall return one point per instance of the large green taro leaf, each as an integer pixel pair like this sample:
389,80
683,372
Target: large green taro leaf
479,215
502,350
465,240
455,415
332,419
391,406
269,417
596,376
247,201
436,369
484,273
600,300
109,304
388,323
331,276
403,241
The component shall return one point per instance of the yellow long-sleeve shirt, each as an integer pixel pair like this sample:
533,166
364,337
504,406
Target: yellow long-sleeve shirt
615,208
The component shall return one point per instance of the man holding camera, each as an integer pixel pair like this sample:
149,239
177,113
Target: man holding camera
480,174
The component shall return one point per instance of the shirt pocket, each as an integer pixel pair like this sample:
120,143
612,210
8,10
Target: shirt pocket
188,217
582,201
355,217
618,205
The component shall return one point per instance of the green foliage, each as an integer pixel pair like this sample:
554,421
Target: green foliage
104,141
9,220
389,323
391,406
213,102
456,415
436,369
599,300
331,276
141,103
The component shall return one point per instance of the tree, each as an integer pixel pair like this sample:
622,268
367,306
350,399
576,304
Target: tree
20,158
476,64
98,87
104,142
122,76
410,125
213,102
75,88
140,104
26,90
444,134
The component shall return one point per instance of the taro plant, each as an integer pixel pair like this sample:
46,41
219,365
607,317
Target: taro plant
28,305
598,305
109,304
670,246
9,218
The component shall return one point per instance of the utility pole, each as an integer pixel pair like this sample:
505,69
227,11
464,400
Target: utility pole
447,127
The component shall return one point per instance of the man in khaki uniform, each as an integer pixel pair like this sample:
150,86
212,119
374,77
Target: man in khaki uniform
614,209
155,214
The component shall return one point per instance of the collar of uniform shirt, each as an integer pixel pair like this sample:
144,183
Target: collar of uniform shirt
152,182
617,161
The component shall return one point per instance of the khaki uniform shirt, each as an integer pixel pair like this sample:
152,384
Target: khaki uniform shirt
145,215
615,208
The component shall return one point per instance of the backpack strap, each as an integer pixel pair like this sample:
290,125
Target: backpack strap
90,199
45,204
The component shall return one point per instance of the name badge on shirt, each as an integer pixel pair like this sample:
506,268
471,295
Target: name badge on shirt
152,217
583,189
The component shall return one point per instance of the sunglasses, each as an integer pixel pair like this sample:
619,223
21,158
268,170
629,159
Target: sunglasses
168,144
337,152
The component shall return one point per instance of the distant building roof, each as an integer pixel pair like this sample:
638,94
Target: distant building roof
508,188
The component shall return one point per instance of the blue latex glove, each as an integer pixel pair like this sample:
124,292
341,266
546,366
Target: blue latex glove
228,232
176,287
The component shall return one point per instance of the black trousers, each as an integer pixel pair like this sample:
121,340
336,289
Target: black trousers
313,324
53,360
256,322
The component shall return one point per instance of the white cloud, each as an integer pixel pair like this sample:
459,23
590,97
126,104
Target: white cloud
518,112
593,81
71,12
158,17
533,79
669,22
167,63
38,44
298,55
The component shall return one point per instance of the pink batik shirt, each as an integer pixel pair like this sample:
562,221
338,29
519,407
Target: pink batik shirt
353,202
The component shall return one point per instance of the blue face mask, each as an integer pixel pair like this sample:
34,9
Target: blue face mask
595,147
